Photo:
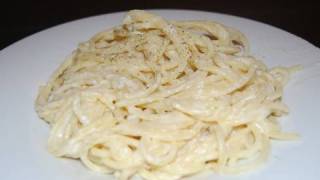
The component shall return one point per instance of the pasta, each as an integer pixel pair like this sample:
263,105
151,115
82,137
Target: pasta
164,100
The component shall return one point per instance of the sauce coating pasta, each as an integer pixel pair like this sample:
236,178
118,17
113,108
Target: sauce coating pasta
164,100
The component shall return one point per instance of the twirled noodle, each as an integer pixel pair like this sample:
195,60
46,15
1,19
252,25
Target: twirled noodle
164,99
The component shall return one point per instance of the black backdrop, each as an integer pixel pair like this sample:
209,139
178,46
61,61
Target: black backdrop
19,19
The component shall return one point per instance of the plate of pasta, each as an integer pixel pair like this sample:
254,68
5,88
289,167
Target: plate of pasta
160,95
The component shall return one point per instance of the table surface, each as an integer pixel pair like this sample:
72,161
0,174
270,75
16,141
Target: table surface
19,19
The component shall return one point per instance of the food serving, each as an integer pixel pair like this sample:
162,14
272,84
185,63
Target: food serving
164,100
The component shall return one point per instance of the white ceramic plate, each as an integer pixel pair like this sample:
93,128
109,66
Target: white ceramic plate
28,63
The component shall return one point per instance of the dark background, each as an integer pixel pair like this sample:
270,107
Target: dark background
19,19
